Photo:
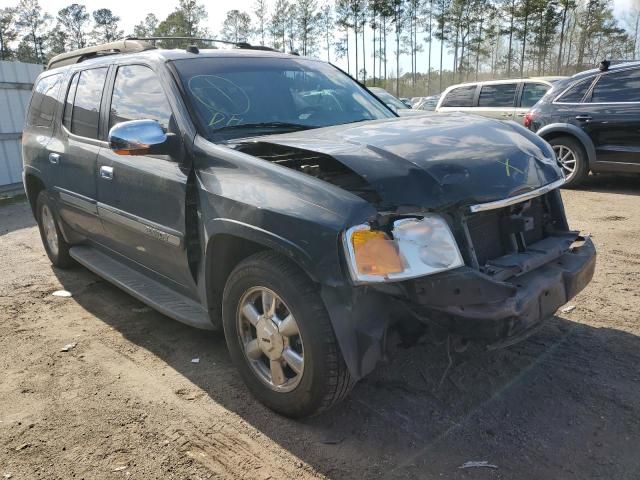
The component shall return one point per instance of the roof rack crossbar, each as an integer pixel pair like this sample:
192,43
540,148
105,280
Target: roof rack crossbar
77,56
246,45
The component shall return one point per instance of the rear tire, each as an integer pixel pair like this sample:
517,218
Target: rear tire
318,378
572,158
54,243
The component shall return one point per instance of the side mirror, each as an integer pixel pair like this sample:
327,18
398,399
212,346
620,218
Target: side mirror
138,137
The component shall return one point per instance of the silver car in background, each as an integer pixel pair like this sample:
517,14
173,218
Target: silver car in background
501,99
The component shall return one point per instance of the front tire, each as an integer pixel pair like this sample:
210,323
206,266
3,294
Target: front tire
54,243
280,337
572,159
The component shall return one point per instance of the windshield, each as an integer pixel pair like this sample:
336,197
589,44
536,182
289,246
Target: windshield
240,97
389,99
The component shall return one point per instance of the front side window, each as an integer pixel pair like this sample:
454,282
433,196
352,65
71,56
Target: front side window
86,104
235,97
532,93
44,100
460,97
576,93
138,95
499,95
617,87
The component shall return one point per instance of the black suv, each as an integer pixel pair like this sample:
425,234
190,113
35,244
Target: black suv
275,198
592,120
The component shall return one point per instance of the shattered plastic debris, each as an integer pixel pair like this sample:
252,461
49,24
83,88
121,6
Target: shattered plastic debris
61,293
478,464
119,469
568,309
69,346
195,360
23,446
7,475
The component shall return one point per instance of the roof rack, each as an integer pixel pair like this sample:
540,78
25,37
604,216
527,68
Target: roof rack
245,45
128,45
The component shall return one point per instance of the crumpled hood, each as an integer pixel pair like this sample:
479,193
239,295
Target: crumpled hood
433,161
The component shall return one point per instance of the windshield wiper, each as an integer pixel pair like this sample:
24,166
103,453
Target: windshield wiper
265,125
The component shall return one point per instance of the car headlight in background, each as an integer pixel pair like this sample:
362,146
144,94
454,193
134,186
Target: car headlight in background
416,248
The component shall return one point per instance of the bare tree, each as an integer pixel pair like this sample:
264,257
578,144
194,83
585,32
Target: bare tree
8,32
278,24
326,26
147,27
236,26
307,18
74,19
32,21
260,10
106,26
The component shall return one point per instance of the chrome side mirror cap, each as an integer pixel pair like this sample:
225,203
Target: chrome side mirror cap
138,137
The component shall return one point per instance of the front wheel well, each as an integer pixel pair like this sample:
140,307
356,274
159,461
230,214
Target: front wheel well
224,252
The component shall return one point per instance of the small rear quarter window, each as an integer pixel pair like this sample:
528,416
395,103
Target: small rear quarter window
577,92
86,103
460,97
44,101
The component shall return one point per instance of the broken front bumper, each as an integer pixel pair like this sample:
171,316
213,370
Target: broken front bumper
497,309
499,312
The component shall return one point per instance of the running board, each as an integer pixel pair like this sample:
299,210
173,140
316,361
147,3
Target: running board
148,291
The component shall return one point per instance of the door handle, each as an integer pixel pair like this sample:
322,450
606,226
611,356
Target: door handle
106,173
521,114
505,114
584,118
54,158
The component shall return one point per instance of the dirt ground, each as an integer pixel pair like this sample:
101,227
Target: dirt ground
127,401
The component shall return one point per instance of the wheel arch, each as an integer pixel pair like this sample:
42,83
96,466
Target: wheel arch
229,244
556,130
33,185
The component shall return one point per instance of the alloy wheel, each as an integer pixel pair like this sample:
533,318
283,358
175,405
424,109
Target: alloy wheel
567,159
270,339
50,231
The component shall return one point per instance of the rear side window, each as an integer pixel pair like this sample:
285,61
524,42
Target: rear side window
460,97
501,95
531,93
576,93
86,102
138,95
617,87
43,101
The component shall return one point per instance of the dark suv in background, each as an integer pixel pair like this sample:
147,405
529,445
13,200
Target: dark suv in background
592,121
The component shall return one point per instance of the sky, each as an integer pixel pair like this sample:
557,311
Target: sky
132,12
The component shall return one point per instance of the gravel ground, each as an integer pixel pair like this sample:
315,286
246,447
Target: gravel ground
128,402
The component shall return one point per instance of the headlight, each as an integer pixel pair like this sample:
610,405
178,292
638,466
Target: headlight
418,247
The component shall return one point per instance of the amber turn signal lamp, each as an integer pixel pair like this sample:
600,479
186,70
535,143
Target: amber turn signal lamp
375,253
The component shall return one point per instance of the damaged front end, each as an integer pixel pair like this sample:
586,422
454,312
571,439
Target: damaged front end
520,263
470,234
523,263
